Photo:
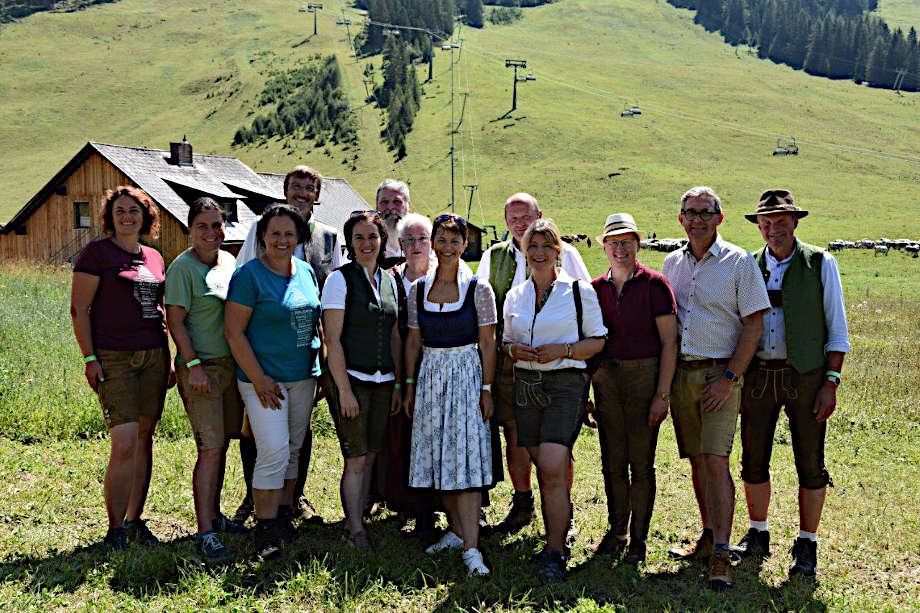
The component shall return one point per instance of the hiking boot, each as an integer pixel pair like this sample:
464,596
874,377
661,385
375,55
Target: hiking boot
286,529
358,541
425,529
541,555
805,553
700,550
116,539
756,544
635,554
474,563
520,514
720,569
139,533
211,547
448,541
552,567
224,524
266,539
303,509
610,544
244,511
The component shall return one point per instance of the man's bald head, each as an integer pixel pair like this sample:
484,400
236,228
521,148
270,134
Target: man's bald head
521,210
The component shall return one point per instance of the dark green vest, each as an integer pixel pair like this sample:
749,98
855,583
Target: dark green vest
803,306
501,274
368,325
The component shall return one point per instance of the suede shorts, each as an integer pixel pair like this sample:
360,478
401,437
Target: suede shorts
548,406
217,415
767,389
366,432
698,431
134,385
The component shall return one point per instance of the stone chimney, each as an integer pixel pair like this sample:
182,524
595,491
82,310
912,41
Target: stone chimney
180,154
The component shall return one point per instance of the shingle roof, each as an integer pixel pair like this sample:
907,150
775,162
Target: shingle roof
220,176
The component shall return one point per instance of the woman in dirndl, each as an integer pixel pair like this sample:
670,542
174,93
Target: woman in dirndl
453,315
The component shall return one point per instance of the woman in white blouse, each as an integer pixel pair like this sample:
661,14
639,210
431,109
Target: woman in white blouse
552,325
360,309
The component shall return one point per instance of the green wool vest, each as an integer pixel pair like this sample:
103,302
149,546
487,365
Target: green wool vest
803,306
368,325
501,273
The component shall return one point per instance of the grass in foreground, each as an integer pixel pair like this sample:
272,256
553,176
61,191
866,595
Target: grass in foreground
53,454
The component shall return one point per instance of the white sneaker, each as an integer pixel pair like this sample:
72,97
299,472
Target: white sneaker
448,541
474,564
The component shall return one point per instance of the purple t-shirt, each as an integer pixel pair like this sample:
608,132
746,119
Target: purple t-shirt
630,318
127,312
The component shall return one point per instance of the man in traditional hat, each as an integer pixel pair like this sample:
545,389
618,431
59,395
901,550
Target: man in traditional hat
721,300
797,367
504,266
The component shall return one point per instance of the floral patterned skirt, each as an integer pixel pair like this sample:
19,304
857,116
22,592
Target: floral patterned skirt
451,445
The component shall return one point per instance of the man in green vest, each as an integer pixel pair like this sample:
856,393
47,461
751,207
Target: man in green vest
504,265
797,366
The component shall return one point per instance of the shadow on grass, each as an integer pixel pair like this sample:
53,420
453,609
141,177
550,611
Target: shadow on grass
398,560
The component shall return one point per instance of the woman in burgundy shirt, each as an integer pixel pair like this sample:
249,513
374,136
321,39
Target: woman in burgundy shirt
120,324
632,384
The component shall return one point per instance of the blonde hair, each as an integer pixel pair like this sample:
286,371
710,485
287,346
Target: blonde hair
547,229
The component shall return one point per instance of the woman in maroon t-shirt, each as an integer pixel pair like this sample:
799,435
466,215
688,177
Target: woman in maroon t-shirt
632,385
120,324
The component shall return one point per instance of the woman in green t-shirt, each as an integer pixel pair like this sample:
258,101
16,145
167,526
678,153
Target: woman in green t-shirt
196,287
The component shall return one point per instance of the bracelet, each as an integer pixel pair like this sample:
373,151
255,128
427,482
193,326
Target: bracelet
487,387
832,373
89,358
410,380
195,362
397,386
511,350
568,350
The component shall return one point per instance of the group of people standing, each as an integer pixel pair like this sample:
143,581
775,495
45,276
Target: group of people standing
422,361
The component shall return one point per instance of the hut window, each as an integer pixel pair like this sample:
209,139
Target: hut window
20,230
81,215
229,207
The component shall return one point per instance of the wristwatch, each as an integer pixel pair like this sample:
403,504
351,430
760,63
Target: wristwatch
487,387
833,379
665,396
730,375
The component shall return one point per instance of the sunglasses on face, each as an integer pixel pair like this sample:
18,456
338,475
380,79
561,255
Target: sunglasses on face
704,215
450,217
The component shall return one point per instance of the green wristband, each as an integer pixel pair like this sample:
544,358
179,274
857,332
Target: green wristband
195,362
89,358
410,380
397,386
832,373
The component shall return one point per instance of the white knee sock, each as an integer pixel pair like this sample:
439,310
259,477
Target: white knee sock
759,525
811,536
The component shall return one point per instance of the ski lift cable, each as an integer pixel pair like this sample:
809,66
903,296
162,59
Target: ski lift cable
663,110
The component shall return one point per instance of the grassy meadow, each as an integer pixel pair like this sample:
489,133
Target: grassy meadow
53,452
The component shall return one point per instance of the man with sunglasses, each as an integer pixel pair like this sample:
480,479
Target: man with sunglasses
721,300
323,252
797,366
504,265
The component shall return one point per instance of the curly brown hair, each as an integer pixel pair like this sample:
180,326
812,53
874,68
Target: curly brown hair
151,224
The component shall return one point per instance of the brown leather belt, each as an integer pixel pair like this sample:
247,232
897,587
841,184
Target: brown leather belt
707,363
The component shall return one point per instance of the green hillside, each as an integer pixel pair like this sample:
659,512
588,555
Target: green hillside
139,74
904,14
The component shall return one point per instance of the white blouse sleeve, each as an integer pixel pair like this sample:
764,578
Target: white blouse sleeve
484,298
334,291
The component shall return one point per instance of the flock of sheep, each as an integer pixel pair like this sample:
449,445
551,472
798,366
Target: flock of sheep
881,246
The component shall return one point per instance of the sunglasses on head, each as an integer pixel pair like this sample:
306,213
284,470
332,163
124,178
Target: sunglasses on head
370,212
450,217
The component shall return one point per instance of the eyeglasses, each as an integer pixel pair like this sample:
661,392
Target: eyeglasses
412,240
621,244
450,217
370,212
704,215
